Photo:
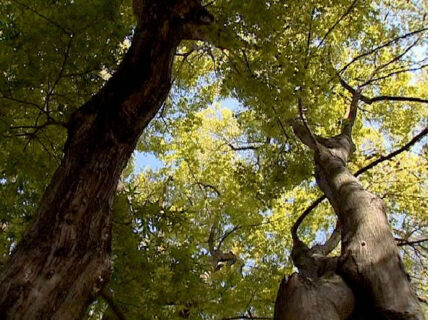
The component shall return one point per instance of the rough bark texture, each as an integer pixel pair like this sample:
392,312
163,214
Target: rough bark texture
320,298
369,271
63,261
369,260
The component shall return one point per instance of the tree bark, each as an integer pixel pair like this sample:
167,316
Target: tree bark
63,261
369,261
369,264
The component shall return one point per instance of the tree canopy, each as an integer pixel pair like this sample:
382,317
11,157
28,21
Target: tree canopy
206,234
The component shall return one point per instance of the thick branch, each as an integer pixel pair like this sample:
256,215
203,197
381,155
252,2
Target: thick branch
372,164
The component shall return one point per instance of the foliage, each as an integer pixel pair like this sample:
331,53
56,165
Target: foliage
231,166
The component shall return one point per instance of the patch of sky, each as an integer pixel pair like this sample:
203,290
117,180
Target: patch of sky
146,161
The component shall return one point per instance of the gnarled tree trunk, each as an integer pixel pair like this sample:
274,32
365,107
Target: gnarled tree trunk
63,261
368,277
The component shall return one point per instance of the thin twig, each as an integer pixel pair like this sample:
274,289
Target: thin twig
43,17
347,12
392,74
60,73
386,44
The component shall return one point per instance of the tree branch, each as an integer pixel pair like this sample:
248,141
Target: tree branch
404,242
368,100
116,309
43,17
394,59
331,243
391,155
302,217
347,12
60,73
247,317
386,44
388,157
392,74
392,98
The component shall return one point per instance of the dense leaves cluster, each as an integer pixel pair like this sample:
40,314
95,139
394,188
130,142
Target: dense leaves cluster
232,177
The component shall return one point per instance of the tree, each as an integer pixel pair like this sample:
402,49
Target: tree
63,261
278,65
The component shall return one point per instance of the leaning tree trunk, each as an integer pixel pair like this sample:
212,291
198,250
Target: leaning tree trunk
368,277
63,261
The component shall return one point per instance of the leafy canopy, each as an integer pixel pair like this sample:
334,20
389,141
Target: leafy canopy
233,177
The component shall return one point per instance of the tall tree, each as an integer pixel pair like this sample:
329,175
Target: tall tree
368,280
63,260
211,227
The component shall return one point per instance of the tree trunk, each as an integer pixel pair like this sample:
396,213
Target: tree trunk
369,260
369,267
318,298
63,261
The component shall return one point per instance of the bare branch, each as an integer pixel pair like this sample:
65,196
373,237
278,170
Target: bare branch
242,148
383,66
368,100
384,45
60,73
392,98
392,74
331,242
309,39
228,234
302,217
391,155
209,186
247,317
281,125
404,242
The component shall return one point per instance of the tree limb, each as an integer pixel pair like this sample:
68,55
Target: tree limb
368,100
343,16
392,98
116,308
388,157
392,74
386,44
391,155
404,242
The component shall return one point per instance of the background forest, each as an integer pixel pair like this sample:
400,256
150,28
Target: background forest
202,220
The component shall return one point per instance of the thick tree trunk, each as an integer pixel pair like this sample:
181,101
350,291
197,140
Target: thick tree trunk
317,298
369,260
63,261
369,271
